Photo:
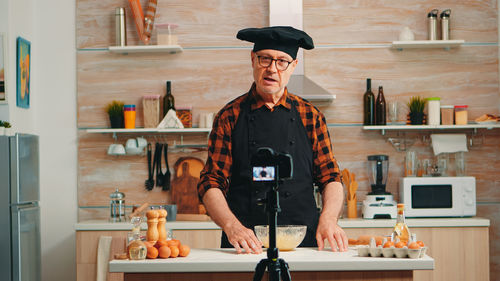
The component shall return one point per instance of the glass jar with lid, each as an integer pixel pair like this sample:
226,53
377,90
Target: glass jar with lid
461,114
434,111
447,114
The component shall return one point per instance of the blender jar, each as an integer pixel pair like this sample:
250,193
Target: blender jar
378,168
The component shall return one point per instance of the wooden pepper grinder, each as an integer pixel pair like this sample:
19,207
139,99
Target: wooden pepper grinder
162,219
152,233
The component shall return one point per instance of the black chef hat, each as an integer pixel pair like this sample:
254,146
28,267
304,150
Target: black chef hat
282,38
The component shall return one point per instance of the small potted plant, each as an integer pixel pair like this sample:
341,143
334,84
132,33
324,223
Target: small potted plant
115,112
416,106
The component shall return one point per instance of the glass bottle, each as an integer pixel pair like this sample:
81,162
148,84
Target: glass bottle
136,249
401,230
168,100
380,108
369,104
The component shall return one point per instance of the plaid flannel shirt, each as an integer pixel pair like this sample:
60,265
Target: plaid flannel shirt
217,170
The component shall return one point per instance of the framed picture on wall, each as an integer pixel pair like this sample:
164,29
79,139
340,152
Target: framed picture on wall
23,72
3,58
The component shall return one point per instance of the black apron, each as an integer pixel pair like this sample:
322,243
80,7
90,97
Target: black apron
283,131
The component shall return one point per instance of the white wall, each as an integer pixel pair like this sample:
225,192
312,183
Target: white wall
56,125
50,27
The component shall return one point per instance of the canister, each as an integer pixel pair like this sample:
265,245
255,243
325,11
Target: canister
434,111
117,206
432,24
129,116
120,27
446,114
461,114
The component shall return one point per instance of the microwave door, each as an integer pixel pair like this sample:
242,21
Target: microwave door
26,252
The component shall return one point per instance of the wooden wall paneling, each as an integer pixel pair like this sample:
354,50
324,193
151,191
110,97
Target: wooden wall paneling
353,22
214,76
200,23
199,238
466,75
100,174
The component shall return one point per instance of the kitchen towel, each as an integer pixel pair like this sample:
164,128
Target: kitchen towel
103,250
448,143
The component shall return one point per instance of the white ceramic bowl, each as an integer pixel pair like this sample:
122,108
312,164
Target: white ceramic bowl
288,237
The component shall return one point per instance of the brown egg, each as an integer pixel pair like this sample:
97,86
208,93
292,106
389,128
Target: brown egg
388,244
152,253
400,244
164,252
161,243
184,250
413,245
175,251
421,243
174,242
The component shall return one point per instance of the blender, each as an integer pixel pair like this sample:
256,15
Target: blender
379,204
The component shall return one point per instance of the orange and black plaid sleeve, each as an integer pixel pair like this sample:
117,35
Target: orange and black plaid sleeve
217,169
325,167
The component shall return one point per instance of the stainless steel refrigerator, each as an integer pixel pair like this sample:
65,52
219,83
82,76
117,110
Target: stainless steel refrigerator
20,252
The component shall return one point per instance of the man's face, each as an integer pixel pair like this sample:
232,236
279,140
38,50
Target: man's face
270,80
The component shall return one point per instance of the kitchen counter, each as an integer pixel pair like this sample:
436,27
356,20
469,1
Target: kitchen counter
93,225
305,264
302,259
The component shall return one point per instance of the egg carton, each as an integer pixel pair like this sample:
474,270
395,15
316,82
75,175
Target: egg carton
391,252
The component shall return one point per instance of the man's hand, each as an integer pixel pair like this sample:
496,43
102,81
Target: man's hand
241,237
333,196
238,235
329,229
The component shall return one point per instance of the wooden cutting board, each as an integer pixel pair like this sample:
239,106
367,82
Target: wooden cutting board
184,185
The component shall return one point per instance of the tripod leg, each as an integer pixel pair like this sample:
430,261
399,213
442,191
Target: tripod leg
259,270
285,271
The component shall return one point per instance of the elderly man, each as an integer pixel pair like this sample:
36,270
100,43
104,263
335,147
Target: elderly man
269,116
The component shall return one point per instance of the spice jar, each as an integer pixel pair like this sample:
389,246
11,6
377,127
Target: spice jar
434,111
461,114
447,114
129,116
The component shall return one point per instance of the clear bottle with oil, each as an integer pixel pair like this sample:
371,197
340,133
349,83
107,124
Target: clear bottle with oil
401,230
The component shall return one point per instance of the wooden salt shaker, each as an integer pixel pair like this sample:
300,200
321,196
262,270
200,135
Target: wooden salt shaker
152,232
162,219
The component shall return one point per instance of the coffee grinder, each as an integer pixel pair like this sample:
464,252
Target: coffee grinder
379,204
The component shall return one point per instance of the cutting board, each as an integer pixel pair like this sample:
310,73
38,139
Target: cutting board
184,185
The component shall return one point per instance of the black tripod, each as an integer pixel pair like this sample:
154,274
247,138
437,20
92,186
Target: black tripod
276,267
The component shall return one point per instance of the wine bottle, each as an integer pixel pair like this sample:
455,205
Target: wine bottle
168,100
369,104
380,108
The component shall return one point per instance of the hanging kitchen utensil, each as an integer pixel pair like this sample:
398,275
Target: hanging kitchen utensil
166,176
158,156
150,183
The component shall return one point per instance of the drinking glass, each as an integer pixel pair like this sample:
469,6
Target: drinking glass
411,163
460,164
442,164
393,111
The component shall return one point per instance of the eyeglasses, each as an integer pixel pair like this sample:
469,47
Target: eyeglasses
281,64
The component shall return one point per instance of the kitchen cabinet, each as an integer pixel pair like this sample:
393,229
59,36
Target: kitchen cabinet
87,243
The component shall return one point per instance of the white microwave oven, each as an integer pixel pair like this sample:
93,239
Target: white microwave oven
438,196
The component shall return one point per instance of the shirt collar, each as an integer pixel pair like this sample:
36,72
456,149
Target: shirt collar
258,102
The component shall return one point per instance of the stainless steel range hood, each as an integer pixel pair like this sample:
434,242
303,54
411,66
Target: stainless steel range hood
289,12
